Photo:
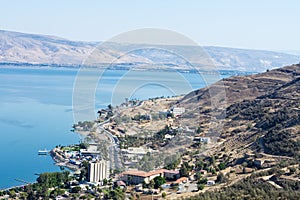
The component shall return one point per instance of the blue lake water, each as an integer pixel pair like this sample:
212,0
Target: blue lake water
36,111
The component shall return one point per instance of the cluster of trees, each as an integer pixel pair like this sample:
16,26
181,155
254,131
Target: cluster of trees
201,183
84,171
116,194
123,119
83,145
221,178
160,135
54,179
250,189
172,161
150,162
282,117
254,188
198,130
137,141
209,164
86,125
281,143
158,181
259,110
51,185
159,116
155,183
185,169
13,193
40,190
133,141
140,117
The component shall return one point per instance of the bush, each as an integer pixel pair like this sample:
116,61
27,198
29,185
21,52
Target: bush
202,181
281,143
158,181
221,166
200,186
76,189
252,188
221,178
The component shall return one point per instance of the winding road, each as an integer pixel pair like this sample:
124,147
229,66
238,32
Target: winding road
113,148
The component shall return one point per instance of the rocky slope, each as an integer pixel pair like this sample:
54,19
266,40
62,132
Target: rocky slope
259,112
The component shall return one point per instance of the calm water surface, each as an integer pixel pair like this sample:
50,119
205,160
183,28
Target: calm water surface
36,113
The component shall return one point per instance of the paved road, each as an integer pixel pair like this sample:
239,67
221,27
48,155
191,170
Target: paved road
113,148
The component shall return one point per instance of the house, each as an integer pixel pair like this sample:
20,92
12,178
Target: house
121,184
210,183
92,153
137,177
202,139
168,136
177,111
181,180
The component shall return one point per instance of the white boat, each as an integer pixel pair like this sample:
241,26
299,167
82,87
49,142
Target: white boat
43,152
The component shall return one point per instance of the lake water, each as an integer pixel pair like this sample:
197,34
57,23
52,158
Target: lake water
36,110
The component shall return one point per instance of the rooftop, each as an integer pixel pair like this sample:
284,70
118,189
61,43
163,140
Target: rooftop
147,174
181,180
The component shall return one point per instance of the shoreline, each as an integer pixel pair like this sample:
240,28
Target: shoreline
61,161
126,68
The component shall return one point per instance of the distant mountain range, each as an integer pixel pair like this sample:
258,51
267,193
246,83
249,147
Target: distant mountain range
30,49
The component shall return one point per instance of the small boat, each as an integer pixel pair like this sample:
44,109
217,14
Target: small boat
43,152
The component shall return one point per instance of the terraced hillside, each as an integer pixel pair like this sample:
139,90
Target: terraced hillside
255,106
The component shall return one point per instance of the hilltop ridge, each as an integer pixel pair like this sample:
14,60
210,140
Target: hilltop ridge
255,106
32,49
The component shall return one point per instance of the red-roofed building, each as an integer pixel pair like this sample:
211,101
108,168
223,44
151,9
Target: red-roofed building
137,177
181,180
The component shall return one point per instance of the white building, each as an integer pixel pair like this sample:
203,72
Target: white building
202,139
168,136
177,111
211,182
134,153
98,171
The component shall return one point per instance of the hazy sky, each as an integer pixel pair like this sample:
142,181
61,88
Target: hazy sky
256,24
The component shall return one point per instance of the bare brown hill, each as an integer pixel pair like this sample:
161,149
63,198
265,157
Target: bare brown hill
259,112
244,87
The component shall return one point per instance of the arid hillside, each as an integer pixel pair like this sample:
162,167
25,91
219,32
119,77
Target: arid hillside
259,112
244,114
31,49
